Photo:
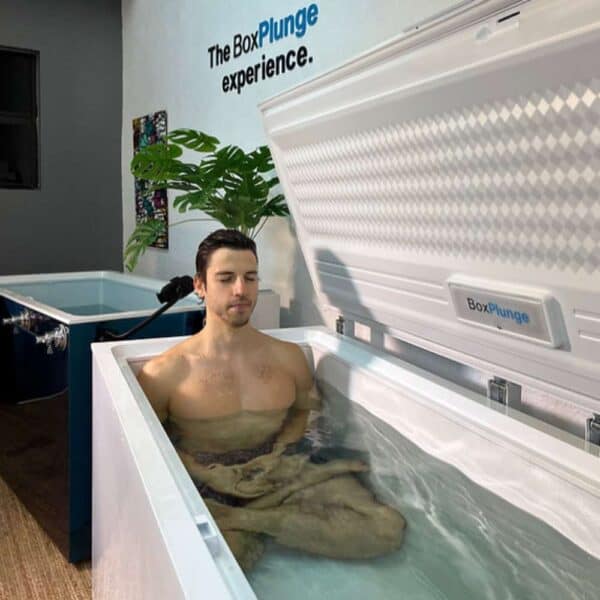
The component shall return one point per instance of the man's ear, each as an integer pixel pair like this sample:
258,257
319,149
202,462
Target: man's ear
199,286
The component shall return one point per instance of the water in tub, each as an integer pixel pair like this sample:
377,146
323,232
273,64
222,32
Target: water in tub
90,295
461,542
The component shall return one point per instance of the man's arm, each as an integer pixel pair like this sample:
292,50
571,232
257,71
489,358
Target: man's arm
307,397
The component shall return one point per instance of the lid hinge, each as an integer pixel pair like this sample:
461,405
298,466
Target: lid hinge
592,429
344,326
504,392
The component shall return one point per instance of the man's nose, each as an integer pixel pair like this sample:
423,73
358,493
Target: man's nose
239,286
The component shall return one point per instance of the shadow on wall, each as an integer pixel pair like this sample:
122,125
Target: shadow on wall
339,288
304,306
337,285
341,420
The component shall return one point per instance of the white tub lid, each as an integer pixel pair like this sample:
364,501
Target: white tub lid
446,185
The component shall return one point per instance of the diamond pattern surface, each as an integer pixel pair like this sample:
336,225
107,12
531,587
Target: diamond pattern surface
515,181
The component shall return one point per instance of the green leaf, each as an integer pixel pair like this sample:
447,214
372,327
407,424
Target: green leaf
247,184
273,182
199,199
194,140
158,162
228,184
198,179
230,157
226,160
260,160
145,234
276,207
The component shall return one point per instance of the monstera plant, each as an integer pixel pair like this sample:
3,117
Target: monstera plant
228,184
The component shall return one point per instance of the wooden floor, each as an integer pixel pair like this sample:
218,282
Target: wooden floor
31,567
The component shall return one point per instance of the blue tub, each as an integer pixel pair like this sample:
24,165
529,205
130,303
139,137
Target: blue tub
48,323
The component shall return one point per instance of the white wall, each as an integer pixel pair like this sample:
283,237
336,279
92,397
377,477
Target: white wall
166,66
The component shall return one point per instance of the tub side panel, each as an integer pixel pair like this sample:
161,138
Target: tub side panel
129,558
33,422
80,413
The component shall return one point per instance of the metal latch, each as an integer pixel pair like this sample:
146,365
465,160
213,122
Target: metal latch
504,392
592,429
339,325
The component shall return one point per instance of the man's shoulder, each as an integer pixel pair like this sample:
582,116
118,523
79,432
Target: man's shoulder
292,352
160,375
287,351
291,357
167,364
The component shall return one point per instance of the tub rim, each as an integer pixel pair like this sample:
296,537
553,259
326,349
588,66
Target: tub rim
146,283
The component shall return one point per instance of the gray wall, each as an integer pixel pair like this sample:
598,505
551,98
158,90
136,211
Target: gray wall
74,221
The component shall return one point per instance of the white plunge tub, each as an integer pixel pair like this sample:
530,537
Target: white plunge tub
154,538
462,156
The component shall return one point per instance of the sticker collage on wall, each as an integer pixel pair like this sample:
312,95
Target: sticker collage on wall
151,204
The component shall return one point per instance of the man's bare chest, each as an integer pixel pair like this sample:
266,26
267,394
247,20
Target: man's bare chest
218,388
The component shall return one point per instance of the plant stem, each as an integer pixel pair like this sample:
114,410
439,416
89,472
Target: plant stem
255,233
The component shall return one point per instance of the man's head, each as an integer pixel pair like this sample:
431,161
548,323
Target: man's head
227,276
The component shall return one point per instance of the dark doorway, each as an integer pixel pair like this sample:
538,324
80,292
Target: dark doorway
19,118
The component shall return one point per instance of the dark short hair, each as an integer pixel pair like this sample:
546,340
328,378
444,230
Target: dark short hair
221,238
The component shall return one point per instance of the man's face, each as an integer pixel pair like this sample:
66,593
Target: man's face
231,287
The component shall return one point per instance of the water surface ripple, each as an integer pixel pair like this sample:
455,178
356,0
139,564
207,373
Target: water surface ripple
462,541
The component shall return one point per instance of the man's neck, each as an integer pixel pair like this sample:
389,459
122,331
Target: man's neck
222,338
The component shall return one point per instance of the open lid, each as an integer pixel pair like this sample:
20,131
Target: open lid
447,186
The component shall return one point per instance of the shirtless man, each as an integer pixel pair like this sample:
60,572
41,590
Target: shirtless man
233,399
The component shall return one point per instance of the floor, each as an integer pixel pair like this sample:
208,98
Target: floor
31,567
